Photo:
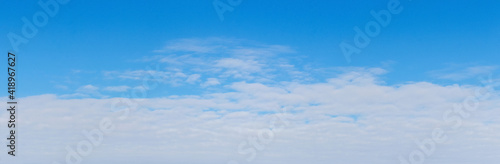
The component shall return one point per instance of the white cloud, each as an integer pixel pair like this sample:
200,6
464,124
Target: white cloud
122,88
462,74
216,45
264,50
222,58
239,68
231,63
85,92
351,114
62,87
322,128
87,89
196,45
173,77
210,82
138,74
193,78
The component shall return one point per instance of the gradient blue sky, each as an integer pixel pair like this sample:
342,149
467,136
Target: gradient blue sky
96,36
211,84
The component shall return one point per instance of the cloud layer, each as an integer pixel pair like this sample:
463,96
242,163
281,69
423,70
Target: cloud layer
350,118
212,100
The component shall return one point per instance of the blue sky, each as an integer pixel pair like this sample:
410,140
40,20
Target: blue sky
229,77
107,36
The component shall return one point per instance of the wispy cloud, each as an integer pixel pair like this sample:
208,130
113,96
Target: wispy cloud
85,91
210,82
457,74
193,78
224,59
122,88
222,46
63,87
197,45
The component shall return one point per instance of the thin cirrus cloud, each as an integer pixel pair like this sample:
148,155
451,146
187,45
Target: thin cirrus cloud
85,91
231,63
193,78
214,58
122,88
195,45
210,82
222,45
463,73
